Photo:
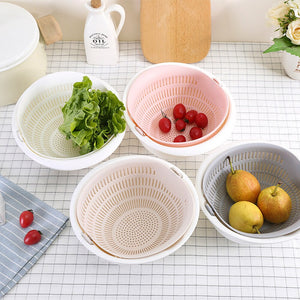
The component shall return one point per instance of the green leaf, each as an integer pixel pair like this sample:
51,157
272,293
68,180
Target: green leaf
284,44
279,44
91,116
295,50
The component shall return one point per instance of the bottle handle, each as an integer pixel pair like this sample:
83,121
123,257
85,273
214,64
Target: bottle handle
119,9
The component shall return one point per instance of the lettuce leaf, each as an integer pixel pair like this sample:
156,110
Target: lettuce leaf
91,116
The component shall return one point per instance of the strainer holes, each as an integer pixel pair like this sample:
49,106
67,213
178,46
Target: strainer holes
277,159
137,229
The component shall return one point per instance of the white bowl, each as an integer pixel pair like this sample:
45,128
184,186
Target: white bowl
37,117
134,209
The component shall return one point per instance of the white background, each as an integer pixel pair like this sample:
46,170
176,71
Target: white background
232,20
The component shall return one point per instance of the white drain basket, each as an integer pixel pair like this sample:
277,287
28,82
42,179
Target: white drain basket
38,115
134,209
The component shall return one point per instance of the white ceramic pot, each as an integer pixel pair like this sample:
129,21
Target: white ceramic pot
291,65
23,58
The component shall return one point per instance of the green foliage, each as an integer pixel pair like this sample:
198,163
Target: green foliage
286,20
91,117
284,44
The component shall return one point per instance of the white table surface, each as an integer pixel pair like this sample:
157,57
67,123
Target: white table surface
208,266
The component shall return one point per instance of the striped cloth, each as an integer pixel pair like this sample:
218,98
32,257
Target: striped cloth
16,258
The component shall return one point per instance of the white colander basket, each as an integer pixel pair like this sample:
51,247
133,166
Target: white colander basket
270,164
38,115
134,209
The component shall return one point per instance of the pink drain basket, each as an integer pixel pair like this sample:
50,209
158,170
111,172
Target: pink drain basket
160,87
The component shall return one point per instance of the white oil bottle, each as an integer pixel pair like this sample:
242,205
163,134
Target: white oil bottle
100,34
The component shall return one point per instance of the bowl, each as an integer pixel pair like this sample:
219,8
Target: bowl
270,164
134,209
38,115
158,88
23,60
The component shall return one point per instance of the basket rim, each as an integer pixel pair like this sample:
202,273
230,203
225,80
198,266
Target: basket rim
230,234
189,150
71,163
96,248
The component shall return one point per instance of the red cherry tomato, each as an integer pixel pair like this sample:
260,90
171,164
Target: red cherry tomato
32,237
201,120
179,139
195,133
26,218
180,125
190,116
179,111
165,124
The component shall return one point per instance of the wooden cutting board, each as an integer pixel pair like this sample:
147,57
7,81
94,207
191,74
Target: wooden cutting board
175,30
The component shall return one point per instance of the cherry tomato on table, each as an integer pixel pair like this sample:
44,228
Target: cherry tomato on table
179,111
32,237
26,218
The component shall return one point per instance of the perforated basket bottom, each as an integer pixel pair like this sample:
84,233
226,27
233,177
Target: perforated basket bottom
41,120
135,210
161,87
270,164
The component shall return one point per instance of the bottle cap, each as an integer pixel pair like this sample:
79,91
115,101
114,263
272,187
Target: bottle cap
95,3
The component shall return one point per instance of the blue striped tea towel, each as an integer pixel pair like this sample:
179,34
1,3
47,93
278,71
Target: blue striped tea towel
16,258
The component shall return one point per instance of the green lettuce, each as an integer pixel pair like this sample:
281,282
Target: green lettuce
91,116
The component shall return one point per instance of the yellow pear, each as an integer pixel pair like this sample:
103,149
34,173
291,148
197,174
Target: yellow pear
275,204
246,216
242,185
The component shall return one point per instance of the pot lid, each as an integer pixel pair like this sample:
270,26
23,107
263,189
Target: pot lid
19,35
